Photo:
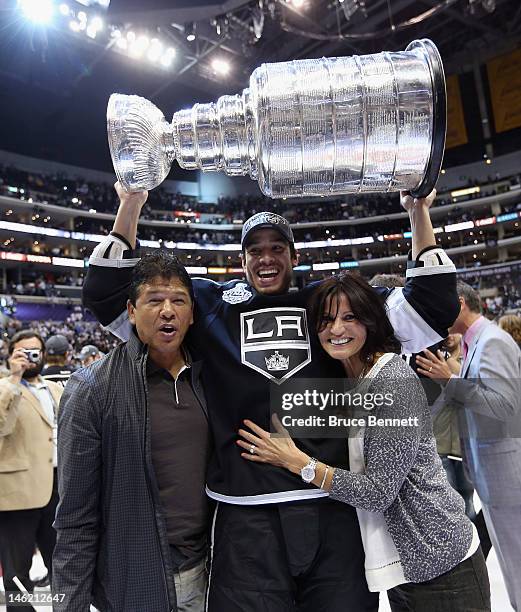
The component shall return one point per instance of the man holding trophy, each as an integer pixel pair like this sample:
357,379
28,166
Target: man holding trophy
278,543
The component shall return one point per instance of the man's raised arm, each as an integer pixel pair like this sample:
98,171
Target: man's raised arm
428,305
106,285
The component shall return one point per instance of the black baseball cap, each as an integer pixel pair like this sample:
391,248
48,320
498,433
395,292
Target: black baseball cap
57,345
267,220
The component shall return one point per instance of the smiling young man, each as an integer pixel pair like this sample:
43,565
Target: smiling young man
133,517
279,544
267,240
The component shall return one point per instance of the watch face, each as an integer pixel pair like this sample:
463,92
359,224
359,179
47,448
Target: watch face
307,473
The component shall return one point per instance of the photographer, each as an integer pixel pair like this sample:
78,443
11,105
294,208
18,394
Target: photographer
28,487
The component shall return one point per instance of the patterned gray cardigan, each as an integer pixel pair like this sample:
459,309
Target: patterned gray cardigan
404,479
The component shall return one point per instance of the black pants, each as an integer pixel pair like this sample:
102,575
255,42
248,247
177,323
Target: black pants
484,536
294,557
465,588
20,532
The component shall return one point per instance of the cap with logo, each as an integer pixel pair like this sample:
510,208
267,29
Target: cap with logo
57,345
266,220
89,350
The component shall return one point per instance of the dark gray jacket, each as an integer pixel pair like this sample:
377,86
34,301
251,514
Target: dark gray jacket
112,547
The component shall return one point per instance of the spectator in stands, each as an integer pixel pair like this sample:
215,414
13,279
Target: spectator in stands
512,325
89,354
57,367
133,516
28,459
487,395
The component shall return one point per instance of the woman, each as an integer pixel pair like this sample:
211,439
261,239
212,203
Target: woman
512,325
419,544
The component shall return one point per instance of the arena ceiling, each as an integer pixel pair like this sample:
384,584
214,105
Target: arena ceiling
55,82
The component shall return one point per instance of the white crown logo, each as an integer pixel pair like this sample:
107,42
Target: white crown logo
277,362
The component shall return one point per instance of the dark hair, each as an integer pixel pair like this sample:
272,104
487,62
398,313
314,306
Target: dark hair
367,306
471,296
387,280
24,334
158,265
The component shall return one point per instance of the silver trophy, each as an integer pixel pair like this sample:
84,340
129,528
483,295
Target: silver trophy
320,127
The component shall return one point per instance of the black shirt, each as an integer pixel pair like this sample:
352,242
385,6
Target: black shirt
180,447
58,373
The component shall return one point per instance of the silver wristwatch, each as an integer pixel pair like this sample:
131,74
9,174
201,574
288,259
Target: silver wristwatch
308,471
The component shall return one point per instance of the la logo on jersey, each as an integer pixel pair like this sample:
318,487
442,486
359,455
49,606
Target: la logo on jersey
275,341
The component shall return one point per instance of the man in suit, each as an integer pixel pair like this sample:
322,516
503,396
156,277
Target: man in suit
487,394
28,487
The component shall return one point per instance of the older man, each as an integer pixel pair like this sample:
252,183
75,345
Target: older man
133,447
487,394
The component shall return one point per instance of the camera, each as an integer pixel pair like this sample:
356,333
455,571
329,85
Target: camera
33,355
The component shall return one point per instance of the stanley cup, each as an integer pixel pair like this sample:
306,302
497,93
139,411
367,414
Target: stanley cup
320,127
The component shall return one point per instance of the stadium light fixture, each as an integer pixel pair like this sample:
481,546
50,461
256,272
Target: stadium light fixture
154,55
166,61
220,66
155,50
65,10
190,31
139,46
74,26
37,11
143,42
97,23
